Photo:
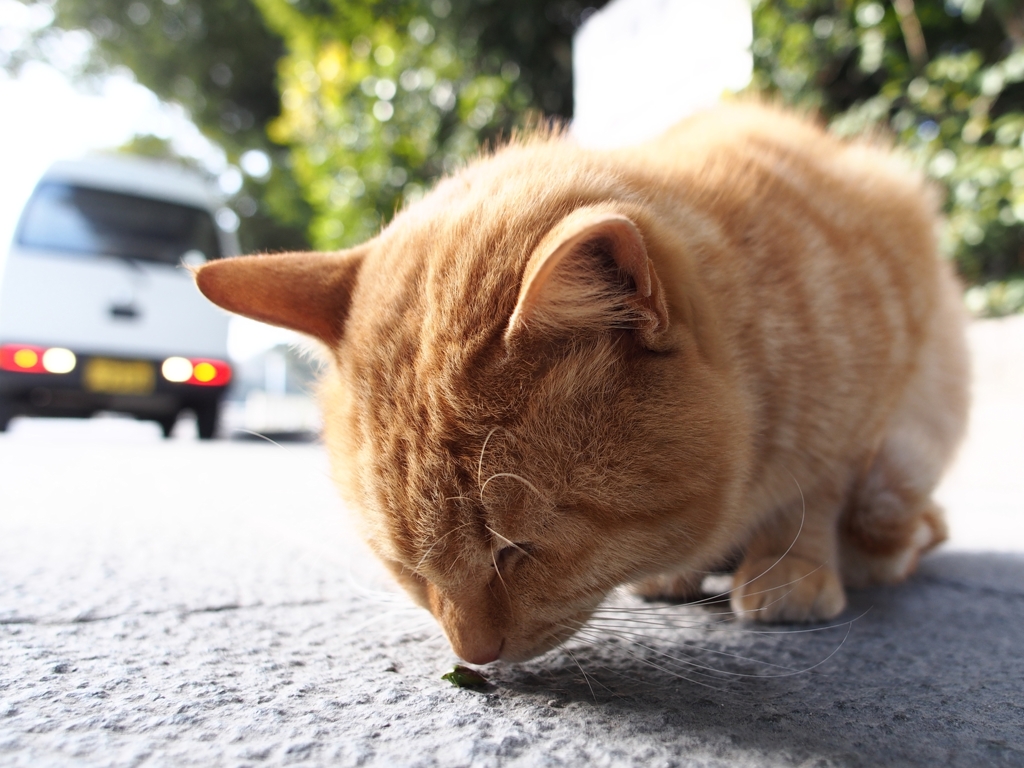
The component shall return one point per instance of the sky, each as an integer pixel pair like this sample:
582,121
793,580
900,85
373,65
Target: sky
54,120
48,118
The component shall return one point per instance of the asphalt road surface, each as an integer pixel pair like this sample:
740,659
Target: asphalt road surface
185,603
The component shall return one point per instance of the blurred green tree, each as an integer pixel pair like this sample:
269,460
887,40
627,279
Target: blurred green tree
379,97
947,78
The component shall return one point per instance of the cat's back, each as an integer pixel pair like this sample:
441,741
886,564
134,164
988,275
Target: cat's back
772,192
819,261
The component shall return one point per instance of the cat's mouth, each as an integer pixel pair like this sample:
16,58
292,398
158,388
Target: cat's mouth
524,649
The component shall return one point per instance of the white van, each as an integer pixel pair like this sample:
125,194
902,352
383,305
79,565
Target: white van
98,311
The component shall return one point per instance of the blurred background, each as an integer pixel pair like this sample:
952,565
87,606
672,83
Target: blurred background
314,120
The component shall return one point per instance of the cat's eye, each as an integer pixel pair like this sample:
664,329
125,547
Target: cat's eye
509,555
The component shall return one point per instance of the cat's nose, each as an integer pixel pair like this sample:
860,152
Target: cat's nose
479,652
474,641
469,620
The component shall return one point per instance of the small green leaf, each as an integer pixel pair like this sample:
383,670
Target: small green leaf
464,677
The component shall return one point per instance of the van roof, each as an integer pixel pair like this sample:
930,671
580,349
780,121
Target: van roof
137,175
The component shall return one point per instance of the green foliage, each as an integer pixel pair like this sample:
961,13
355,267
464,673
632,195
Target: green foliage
159,148
996,299
946,78
381,97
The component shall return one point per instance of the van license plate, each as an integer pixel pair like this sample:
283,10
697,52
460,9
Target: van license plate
119,377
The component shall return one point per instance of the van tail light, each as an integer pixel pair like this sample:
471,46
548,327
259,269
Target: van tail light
200,371
28,358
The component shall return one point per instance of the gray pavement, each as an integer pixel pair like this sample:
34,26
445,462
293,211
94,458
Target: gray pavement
185,603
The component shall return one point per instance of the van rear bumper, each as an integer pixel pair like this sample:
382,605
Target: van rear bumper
66,394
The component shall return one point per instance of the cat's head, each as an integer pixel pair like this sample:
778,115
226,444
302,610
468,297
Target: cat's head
519,411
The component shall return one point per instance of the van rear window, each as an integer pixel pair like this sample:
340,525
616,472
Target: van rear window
65,217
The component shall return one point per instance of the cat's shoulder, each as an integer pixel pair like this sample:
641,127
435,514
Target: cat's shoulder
750,141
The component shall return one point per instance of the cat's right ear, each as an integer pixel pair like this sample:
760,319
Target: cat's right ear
306,292
591,273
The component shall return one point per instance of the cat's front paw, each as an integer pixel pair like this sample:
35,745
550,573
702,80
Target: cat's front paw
788,590
671,587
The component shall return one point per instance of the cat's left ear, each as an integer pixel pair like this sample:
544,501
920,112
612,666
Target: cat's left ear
306,292
591,272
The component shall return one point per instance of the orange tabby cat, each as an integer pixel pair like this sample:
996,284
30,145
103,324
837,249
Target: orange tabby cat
565,370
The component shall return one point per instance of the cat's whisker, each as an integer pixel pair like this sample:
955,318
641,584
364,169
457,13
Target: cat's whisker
749,630
657,616
480,462
437,541
633,632
416,623
723,622
508,542
631,639
388,605
378,597
779,559
648,622
689,661
260,436
703,670
672,672
655,610
775,587
585,677
592,679
497,571
513,476
319,474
